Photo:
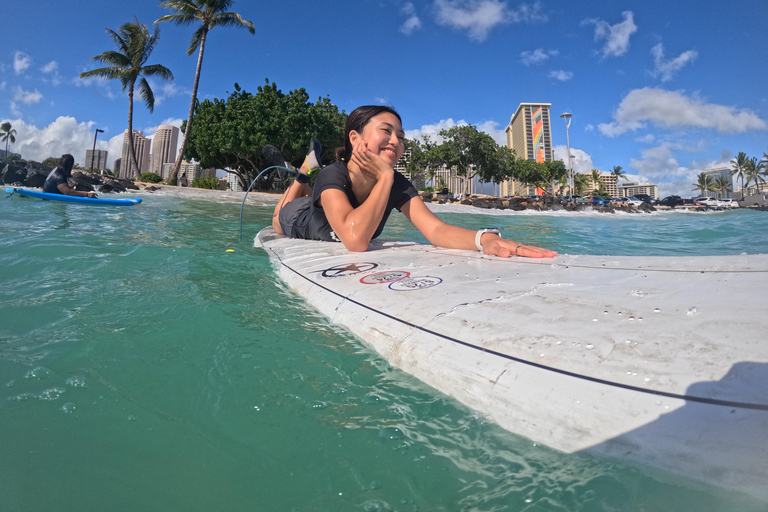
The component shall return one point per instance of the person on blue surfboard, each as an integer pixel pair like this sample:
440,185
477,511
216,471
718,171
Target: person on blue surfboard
353,197
56,182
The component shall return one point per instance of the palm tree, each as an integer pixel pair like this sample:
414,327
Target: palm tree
753,171
739,165
619,173
211,13
598,183
128,64
8,134
704,184
722,186
580,183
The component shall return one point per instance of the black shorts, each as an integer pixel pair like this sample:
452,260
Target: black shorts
299,219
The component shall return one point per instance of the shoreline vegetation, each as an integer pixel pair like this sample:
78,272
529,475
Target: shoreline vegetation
21,173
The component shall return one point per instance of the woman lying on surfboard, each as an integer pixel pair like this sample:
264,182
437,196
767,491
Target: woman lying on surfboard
353,197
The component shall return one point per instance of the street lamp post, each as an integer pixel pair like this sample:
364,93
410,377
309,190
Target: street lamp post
567,118
93,151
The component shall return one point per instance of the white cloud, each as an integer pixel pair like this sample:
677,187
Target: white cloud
21,61
164,90
64,135
646,139
665,69
589,127
432,130
561,75
582,161
412,21
658,165
616,36
50,67
479,17
492,129
537,56
2,86
672,109
102,84
27,97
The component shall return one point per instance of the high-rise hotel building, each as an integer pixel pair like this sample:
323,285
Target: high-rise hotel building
164,148
141,147
530,136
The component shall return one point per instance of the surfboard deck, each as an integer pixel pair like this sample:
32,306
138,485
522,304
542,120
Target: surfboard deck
73,199
659,360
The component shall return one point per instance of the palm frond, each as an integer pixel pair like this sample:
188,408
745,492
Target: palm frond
146,94
157,70
197,36
112,57
232,19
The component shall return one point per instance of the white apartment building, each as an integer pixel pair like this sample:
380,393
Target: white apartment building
192,170
96,159
164,147
141,147
716,173
631,189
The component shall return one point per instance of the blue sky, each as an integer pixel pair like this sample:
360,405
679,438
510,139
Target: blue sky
663,89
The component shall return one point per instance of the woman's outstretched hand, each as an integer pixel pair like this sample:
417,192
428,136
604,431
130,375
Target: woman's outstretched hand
372,165
498,246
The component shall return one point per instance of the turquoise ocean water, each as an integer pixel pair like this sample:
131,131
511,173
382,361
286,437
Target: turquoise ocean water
142,367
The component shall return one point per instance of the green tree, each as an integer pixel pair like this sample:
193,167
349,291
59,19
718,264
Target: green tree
51,161
598,185
722,186
753,171
151,177
229,134
555,172
619,173
7,134
134,45
704,184
469,153
210,14
739,165
581,183
209,182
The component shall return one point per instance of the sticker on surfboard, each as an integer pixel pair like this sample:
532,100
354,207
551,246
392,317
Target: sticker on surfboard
415,283
385,277
349,269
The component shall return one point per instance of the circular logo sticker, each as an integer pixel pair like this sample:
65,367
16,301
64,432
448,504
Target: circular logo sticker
415,283
384,277
348,270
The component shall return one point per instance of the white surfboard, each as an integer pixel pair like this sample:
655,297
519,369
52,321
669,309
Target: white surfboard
659,360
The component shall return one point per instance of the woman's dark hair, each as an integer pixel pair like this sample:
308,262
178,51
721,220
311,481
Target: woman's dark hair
357,121
66,162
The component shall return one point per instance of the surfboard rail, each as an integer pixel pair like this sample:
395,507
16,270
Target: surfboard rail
657,360
129,201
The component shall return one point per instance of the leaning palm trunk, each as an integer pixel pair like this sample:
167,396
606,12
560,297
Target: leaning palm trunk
131,149
188,128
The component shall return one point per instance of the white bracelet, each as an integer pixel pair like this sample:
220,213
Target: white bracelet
480,233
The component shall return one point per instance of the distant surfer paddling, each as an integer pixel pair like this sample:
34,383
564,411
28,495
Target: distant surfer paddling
56,182
353,197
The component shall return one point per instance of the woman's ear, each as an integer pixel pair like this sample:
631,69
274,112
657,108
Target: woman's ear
354,137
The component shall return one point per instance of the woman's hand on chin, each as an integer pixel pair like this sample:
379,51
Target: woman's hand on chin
498,246
370,164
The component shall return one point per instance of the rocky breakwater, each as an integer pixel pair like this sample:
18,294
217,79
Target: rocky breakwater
31,174
520,203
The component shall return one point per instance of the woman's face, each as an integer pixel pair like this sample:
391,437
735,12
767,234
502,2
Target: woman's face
384,136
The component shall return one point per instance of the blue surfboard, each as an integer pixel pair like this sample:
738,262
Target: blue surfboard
73,199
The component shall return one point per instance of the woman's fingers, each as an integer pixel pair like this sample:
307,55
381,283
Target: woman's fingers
507,248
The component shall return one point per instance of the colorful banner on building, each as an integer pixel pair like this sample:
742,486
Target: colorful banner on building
538,132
